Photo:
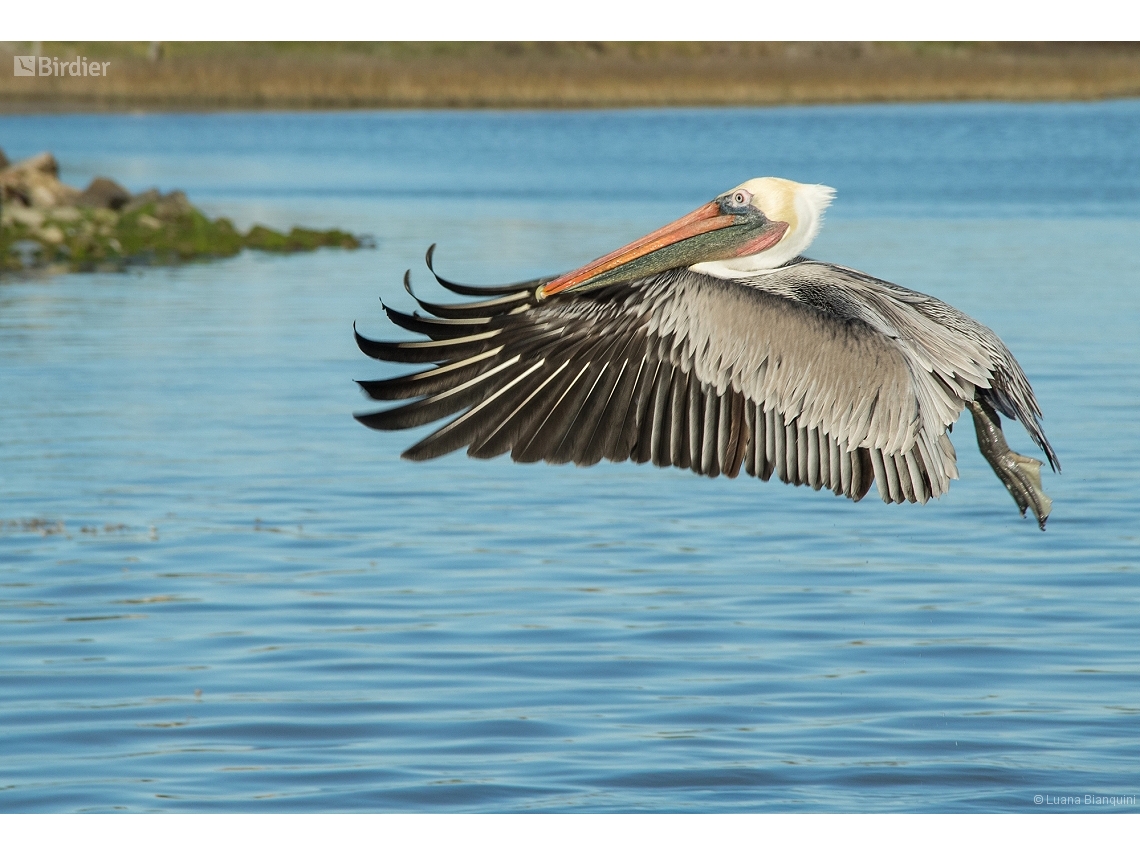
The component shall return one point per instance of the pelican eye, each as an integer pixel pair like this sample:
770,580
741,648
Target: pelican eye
736,202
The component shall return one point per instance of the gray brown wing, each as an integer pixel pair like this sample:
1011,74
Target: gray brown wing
951,357
681,369
836,391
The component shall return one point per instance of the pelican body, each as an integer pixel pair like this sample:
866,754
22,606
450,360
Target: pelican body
713,344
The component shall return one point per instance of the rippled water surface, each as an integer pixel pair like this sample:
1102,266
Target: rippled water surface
218,592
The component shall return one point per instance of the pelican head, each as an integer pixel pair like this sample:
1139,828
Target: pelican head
756,226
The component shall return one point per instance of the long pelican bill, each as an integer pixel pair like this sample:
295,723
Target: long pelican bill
707,234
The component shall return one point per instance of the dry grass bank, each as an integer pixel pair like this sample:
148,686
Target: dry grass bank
232,75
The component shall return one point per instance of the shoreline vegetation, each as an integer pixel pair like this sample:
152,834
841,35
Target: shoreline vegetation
557,75
46,225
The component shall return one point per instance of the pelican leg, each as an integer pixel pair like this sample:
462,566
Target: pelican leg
1020,474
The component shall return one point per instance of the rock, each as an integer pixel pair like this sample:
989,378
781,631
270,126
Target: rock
50,193
29,217
104,193
35,183
173,204
51,234
66,214
139,200
44,162
167,207
3,160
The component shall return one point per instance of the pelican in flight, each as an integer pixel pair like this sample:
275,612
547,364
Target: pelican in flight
713,344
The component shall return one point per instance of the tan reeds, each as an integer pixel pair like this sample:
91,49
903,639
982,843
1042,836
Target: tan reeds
565,75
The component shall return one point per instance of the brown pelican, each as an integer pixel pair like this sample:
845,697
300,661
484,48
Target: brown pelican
713,344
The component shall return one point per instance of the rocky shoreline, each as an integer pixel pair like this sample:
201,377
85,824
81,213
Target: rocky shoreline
47,225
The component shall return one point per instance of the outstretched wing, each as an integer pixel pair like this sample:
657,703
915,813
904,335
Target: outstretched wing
680,369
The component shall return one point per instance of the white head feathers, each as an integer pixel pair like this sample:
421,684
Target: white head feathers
801,206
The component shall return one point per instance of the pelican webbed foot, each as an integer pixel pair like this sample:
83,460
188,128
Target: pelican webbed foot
1020,474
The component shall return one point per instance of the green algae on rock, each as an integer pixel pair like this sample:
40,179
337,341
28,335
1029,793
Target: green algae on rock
44,224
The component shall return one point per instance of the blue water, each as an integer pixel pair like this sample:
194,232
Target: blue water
218,592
